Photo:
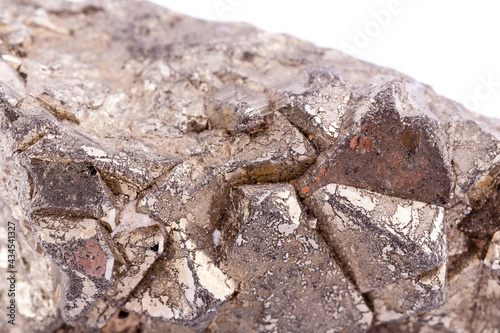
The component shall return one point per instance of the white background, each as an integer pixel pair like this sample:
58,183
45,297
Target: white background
454,46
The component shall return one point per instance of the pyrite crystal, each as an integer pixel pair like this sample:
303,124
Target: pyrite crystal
167,174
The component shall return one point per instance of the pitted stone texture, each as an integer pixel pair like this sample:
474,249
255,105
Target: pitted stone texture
484,218
408,297
142,241
473,144
63,172
124,169
380,239
316,102
392,146
476,152
458,242
73,189
194,192
117,104
185,286
238,109
280,155
117,294
468,278
197,190
288,280
82,250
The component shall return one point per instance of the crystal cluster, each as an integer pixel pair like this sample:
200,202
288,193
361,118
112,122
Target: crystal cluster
167,174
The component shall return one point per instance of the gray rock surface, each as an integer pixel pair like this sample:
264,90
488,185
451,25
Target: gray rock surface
167,174
265,241
380,238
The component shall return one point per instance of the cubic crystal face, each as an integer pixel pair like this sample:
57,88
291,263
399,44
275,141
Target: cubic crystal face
381,239
391,146
266,241
168,174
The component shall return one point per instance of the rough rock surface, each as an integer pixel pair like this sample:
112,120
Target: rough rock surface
265,241
167,174
380,238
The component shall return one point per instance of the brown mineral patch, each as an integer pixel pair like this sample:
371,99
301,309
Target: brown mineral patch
405,162
365,144
410,139
91,258
484,220
354,141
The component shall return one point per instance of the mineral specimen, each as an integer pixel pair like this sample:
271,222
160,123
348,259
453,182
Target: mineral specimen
167,174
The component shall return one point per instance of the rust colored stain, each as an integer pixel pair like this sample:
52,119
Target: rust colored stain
321,172
410,139
404,162
365,144
306,189
354,141
90,258
361,142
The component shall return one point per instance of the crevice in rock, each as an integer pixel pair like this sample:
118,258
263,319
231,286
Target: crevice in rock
333,255
484,219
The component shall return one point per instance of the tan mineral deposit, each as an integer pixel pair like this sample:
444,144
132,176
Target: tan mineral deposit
161,173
